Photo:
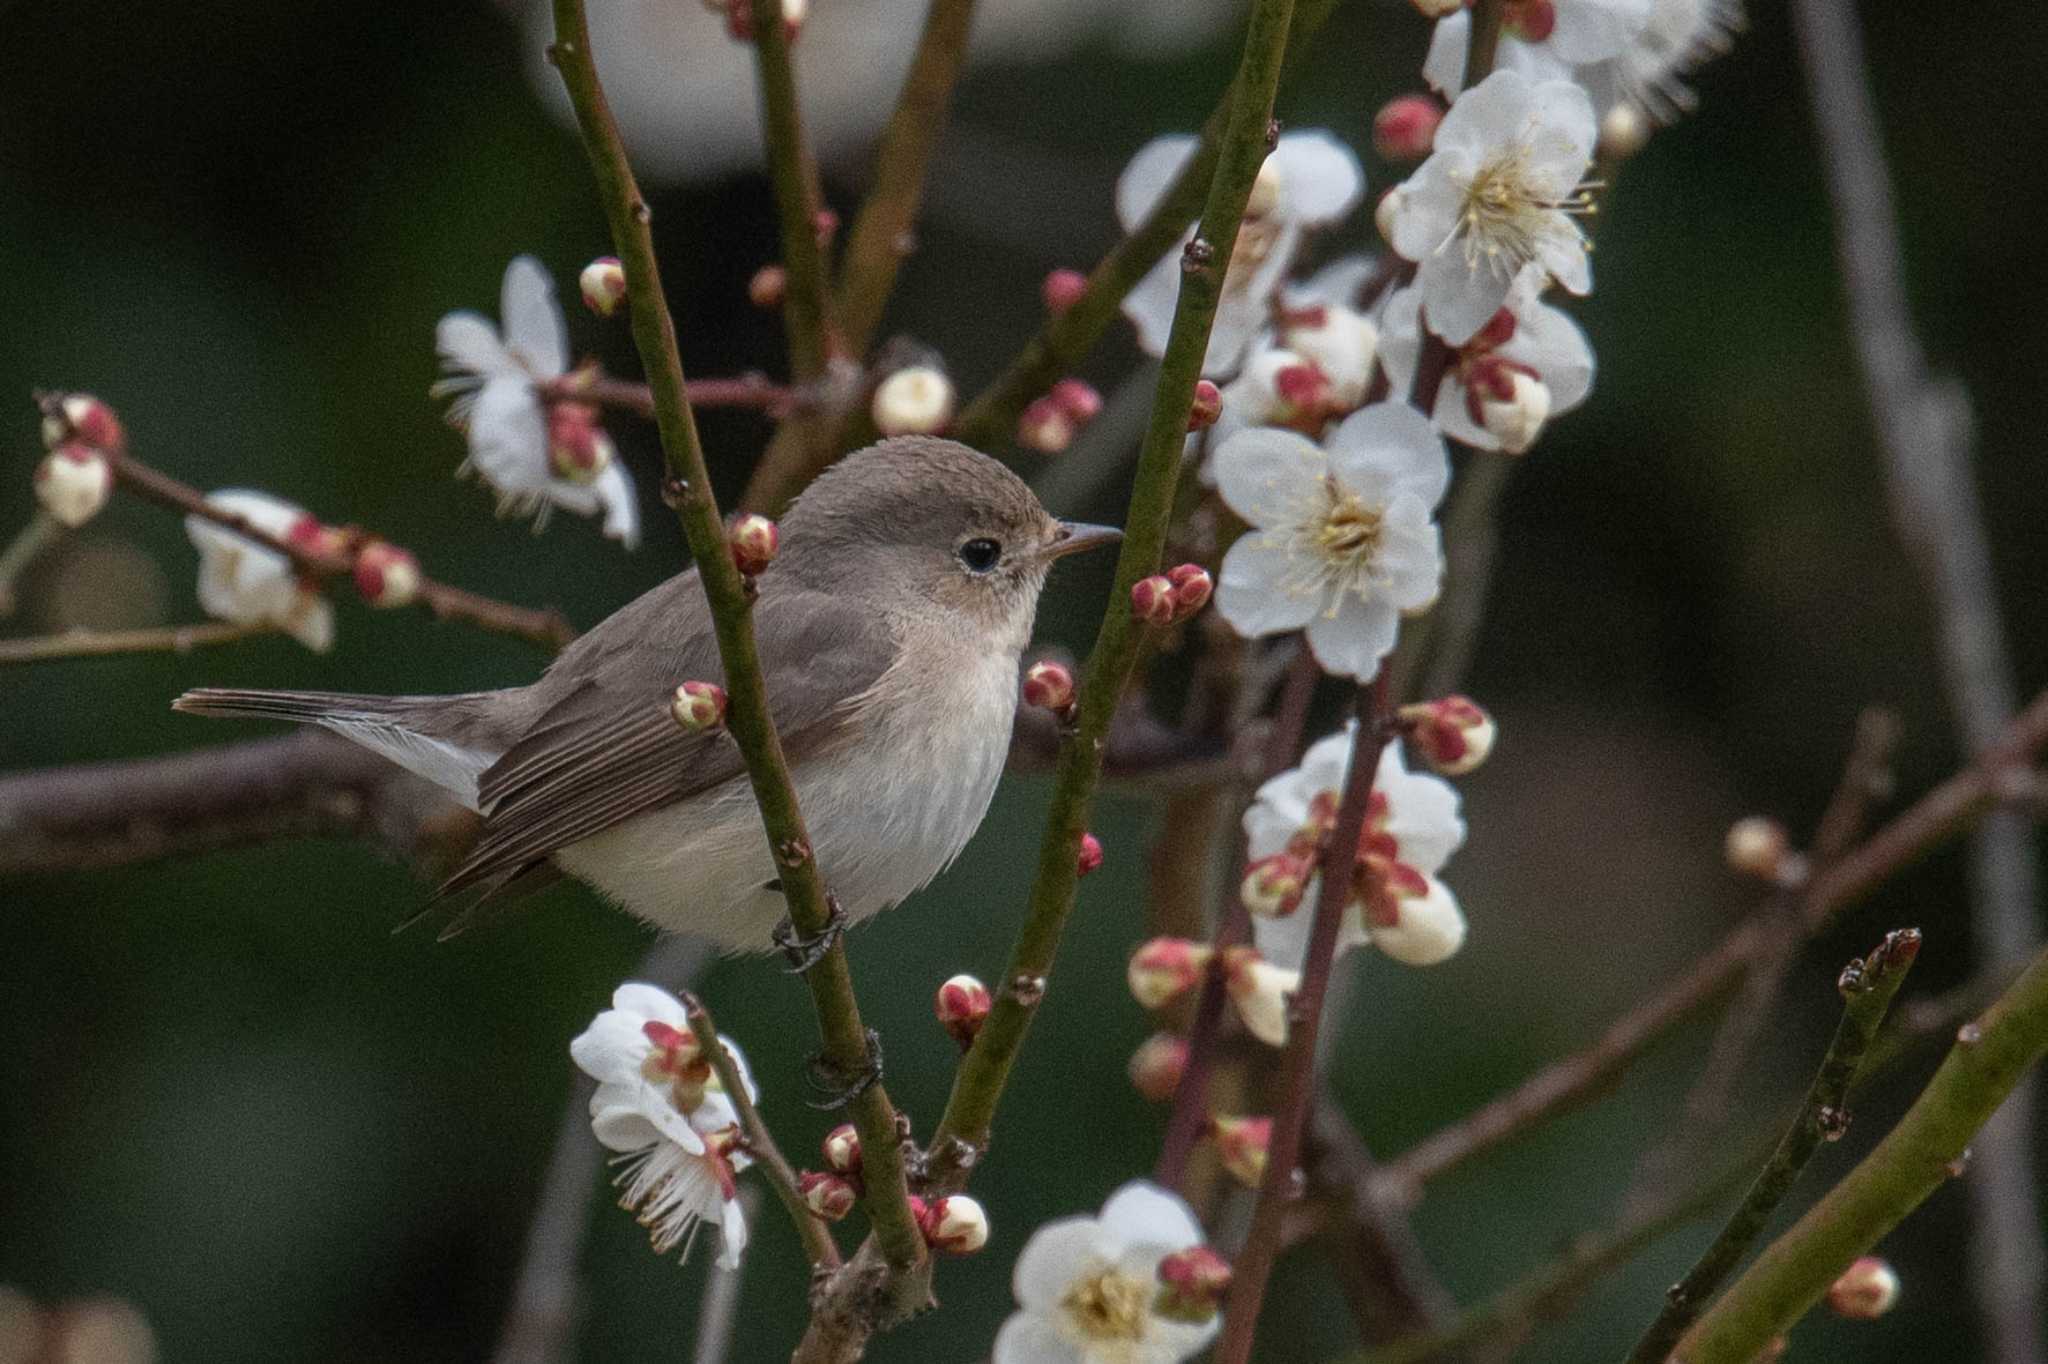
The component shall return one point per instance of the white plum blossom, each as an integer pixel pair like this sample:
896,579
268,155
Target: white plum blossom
1540,39
1342,543
241,581
1527,342
1087,1287
1310,180
1499,193
1680,37
1412,824
492,377
659,1105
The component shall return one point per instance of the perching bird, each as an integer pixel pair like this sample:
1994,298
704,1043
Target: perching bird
890,627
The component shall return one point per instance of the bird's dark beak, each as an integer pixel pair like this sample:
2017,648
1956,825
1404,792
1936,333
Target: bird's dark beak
1076,536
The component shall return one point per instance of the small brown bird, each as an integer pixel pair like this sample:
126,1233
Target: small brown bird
890,627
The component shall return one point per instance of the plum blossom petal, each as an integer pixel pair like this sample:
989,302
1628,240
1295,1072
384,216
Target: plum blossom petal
241,581
1261,478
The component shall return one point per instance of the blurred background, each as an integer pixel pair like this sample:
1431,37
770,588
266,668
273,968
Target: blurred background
234,1099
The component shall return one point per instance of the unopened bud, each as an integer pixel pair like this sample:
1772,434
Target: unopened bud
954,1224
914,401
754,540
1089,859
1341,343
1192,587
827,1195
842,1149
1241,1144
1157,1065
1260,991
1165,968
1153,601
961,1006
1049,685
73,482
1192,1283
386,575
1273,886
1452,734
311,536
1078,399
603,282
578,447
1866,1291
1508,400
1388,209
1062,290
1758,847
1623,132
1046,427
1405,128
698,706
1532,21
1417,920
83,418
1206,407
768,286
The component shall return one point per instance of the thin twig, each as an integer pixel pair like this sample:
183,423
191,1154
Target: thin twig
1926,1149
753,390
991,418
42,531
883,233
1923,427
747,719
547,628
83,643
1379,1264
819,1247
1297,1083
983,1072
1943,813
1867,986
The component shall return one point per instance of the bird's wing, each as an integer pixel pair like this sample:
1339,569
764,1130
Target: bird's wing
603,746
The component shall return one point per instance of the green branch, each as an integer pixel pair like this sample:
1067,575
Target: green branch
1868,987
1917,1157
831,981
986,1068
807,301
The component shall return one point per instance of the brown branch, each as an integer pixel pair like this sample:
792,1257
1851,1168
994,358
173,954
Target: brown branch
546,627
1943,813
83,643
1380,1266
752,389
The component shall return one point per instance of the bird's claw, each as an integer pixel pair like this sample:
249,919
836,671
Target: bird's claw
840,1086
804,953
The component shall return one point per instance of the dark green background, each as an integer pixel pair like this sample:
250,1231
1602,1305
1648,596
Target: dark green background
232,1096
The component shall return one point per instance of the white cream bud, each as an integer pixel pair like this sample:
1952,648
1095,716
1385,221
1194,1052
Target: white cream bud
955,1224
73,483
1430,930
603,282
912,402
1516,419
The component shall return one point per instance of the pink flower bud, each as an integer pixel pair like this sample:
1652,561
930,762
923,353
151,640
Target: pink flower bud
1241,1144
73,482
1530,20
386,575
1758,847
603,282
1405,127
1191,588
1260,992
578,447
955,1225
1046,427
1049,685
1452,734
1192,1283
1507,398
1165,968
1273,886
1157,1065
1153,601
1207,406
842,1149
311,536
1078,399
914,401
768,286
961,1006
1062,290
1866,1291
1090,856
83,418
827,1195
698,706
754,540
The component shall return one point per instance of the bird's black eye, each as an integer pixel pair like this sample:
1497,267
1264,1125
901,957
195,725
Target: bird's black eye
980,555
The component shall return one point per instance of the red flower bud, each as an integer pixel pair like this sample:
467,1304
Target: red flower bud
1062,290
1153,601
1046,427
1157,1065
954,1224
961,1006
1452,734
768,286
83,418
1866,1291
386,575
1049,685
1191,588
1530,20
754,540
1405,128
1207,406
827,1195
1090,856
842,1149
1241,1144
1192,1283
1078,399
1165,968
698,706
